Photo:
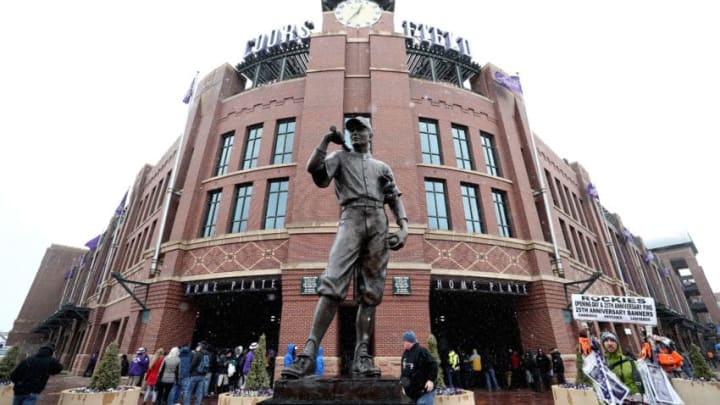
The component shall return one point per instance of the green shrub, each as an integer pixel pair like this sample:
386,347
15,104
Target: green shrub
257,377
700,368
107,372
8,363
580,377
433,349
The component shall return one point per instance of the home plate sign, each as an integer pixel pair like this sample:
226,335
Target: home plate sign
611,308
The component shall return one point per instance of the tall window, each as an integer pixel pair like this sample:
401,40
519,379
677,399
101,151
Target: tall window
252,147
284,142
462,150
276,204
429,142
211,213
436,205
241,211
501,213
490,153
473,220
226,144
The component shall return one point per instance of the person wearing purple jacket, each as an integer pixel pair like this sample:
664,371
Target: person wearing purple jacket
249,359
138,367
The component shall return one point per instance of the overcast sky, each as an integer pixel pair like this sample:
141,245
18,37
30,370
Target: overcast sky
92,91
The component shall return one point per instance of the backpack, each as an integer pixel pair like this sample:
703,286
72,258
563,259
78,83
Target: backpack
204,365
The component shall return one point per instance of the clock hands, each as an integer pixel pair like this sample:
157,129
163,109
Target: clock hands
357,11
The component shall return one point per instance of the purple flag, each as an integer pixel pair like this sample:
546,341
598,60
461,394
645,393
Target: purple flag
648,256
69,274
509,82
627,236
121,207
189,93
592,192
93,243
666,271
82,260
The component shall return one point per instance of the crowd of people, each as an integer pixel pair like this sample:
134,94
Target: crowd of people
509,369
182,374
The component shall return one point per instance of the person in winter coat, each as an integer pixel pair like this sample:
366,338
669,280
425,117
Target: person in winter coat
138,367
199,366
289,358
31,375
557,365
419,371
124,365
249,359
183,374
151,377
619,364
545,367
320,362
168,376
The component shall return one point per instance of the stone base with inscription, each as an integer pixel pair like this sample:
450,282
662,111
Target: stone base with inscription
338,391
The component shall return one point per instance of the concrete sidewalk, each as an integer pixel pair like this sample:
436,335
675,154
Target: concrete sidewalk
56,384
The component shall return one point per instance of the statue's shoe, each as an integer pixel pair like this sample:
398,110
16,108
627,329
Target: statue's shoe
304,366
363,366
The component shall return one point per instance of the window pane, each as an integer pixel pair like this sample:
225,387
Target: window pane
276,204
436,205
242,209
211,213
472,211
490,154
226,144
430,143
252,147
501,213
284,142
462,150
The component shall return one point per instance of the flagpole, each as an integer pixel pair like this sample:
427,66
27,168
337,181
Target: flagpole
113,248
610,244
557,262
171,183
90,269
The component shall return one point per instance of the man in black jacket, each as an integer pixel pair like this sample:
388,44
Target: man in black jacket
419,371
31,375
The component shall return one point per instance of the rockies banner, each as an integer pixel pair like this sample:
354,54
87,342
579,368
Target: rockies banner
611,308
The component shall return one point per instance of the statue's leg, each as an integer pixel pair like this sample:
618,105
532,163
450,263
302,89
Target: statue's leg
305,363
363,365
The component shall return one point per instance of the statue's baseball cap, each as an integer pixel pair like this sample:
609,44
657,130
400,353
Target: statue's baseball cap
358,123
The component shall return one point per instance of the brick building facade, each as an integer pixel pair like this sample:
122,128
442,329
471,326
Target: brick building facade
244,232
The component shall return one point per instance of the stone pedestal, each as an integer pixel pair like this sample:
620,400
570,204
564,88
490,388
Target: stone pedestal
365,391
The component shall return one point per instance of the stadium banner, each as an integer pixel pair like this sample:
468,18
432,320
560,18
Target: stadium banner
611,308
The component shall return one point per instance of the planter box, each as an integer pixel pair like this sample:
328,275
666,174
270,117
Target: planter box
466,398
572,396
227,399
6,394
697,392
129,397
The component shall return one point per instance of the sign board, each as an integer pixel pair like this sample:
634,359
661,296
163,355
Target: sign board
610,308
232,285
309,285
480,285
401,285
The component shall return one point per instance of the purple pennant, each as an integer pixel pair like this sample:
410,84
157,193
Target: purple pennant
592,191
509,82
69,274
121,207
648,256
93,243
666,271
627,236
189,93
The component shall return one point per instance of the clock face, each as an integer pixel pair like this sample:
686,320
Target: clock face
358,13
